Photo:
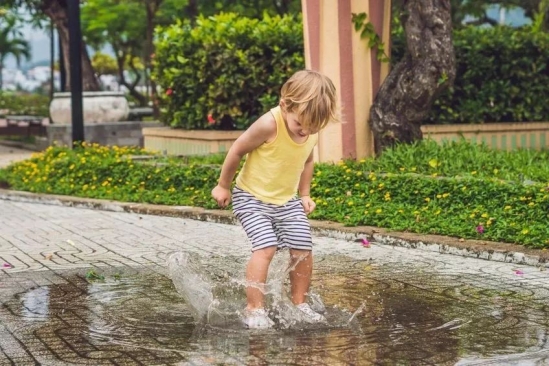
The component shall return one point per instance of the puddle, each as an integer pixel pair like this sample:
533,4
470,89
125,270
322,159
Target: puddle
410,317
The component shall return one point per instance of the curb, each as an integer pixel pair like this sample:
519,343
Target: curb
493,251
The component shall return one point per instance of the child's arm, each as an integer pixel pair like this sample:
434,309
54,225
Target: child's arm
259,132
304,187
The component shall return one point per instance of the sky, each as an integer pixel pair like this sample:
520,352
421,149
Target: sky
40,45
40,39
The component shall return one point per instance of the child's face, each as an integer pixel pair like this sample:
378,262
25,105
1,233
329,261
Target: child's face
295,126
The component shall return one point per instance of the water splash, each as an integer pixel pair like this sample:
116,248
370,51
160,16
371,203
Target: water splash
221,302
191,283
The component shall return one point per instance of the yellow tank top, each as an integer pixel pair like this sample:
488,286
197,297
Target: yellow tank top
271,172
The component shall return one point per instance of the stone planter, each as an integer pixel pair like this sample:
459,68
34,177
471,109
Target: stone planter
188,142
504,136
98,107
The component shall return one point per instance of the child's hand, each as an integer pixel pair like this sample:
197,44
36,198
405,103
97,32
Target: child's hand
308,204
221,195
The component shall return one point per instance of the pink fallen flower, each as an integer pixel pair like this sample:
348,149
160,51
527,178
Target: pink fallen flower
480,229
6,265
365,243
518,272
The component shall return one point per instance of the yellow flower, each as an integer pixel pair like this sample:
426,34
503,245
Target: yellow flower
439,196
350,203
472,215
445,195
366,212
507,208
358,174
357,185
474,172
437,212
427,199
525,231
531,204
378,210
484,215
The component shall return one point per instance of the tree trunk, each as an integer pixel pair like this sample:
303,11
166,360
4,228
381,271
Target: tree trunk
56,10
428,68
152,8
192,10
1,78
142,100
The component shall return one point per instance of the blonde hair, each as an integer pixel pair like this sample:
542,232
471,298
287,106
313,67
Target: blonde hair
312,97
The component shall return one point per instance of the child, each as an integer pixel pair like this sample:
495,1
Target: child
279,146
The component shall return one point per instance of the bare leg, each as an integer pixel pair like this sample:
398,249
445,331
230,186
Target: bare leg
300,276
256,275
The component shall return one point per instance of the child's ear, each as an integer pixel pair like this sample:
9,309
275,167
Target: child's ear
282,104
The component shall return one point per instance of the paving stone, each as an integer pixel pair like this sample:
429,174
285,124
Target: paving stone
421,308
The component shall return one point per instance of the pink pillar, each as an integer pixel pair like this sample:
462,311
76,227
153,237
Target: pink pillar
333,47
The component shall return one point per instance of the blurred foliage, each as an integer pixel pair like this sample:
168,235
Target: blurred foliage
227,68
24,104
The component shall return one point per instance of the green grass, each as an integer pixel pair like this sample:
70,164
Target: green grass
451,189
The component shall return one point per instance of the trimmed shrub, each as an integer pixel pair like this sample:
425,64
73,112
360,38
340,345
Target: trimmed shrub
227,68
24,104
501,75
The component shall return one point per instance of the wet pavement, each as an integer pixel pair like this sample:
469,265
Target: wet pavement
85,287
10,155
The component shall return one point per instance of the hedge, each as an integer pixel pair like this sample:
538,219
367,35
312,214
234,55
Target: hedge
502,73
227,68
233,67
24,104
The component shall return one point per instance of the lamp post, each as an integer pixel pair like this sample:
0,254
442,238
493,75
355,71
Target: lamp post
75,60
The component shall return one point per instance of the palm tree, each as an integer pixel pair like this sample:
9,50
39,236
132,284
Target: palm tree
11,42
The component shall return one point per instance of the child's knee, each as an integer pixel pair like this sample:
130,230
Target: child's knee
265,253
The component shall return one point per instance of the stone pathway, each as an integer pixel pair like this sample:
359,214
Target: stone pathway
9,155
422,308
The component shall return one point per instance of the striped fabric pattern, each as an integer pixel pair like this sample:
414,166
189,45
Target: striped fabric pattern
267,224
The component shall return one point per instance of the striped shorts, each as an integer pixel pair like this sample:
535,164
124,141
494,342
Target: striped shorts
269,225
